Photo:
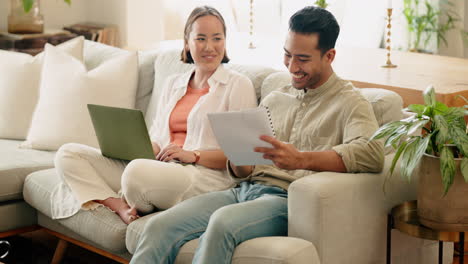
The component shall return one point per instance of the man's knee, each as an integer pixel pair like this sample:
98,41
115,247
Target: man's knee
225,220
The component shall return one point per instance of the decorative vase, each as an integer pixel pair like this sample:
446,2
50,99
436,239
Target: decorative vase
20,22
436,211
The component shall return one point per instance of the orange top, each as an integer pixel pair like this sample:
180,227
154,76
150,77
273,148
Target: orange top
179,115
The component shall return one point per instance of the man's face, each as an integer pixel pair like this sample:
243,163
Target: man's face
304,61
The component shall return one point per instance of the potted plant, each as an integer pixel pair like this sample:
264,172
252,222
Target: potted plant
441,151
426,21
321,3
25,17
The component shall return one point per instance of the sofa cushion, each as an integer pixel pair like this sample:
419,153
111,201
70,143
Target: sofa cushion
101,226
19,87
134,231
168,63
16,164
255,251
387,105
67,87
96,53
16,214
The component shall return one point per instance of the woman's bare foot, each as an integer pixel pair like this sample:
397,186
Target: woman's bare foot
119,206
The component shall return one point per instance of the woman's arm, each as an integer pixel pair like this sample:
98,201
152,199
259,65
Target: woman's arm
213,159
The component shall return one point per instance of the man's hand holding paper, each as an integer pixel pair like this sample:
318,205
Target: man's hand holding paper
283,155
238,133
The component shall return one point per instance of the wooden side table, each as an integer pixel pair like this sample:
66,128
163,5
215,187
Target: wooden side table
404,218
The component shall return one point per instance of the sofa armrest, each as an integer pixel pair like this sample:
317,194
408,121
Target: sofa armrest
345,215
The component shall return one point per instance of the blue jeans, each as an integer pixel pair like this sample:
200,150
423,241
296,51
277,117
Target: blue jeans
222,220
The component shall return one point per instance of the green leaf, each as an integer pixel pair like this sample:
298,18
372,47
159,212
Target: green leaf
386,130
464,168
429,96
396,136
443,133
412,155
416,108
67,1
447,168
440,108
454,113
416,125
460,138
400,150
27,5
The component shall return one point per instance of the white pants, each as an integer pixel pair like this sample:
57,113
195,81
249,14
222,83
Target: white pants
145,184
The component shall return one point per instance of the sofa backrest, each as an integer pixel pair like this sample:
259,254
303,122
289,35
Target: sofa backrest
168,63
387,105
97,53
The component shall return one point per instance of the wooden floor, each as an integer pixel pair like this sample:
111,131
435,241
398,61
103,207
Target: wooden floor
457,261
41,246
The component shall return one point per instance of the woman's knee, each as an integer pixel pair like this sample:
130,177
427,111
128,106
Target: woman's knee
134,175
68,155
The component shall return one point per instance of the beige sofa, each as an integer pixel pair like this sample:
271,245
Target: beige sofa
333,217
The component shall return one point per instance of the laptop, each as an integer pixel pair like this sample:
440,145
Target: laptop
121,132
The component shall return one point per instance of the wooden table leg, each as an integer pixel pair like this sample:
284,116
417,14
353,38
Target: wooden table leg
389,238
461,248
441,252
59,252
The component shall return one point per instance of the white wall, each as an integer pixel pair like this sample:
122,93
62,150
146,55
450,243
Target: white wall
144,23
140,22
466,26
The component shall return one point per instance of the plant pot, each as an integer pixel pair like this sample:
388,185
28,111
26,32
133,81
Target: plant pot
436,211
20,22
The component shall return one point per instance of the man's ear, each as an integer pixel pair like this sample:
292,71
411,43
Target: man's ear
330,55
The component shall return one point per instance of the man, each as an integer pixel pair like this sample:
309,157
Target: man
326,123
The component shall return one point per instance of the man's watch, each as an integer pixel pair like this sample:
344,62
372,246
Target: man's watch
197,156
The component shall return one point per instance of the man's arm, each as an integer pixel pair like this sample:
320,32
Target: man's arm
286,156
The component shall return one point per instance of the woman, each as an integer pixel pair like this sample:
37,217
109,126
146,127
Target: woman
181,133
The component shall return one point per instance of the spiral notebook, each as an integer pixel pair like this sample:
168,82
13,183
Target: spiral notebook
238,134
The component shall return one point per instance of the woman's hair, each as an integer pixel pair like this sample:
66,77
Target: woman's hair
196,14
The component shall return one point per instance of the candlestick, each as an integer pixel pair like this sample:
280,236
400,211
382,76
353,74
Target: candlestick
389,63
251,26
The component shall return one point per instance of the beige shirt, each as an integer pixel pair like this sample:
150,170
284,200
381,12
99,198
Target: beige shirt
334,116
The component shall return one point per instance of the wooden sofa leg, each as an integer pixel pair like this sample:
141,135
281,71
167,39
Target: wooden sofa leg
59,251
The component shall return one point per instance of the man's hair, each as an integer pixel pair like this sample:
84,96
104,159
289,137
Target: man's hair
196,14
311,20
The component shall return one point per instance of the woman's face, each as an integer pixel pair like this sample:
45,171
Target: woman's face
206,43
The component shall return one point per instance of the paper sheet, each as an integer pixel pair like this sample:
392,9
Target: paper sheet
238,134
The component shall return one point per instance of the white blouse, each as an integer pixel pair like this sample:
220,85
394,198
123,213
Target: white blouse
229,91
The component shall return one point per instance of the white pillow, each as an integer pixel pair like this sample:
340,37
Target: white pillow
19,87
61,115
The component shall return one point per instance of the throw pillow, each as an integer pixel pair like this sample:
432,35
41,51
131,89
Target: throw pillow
61,115
19,87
